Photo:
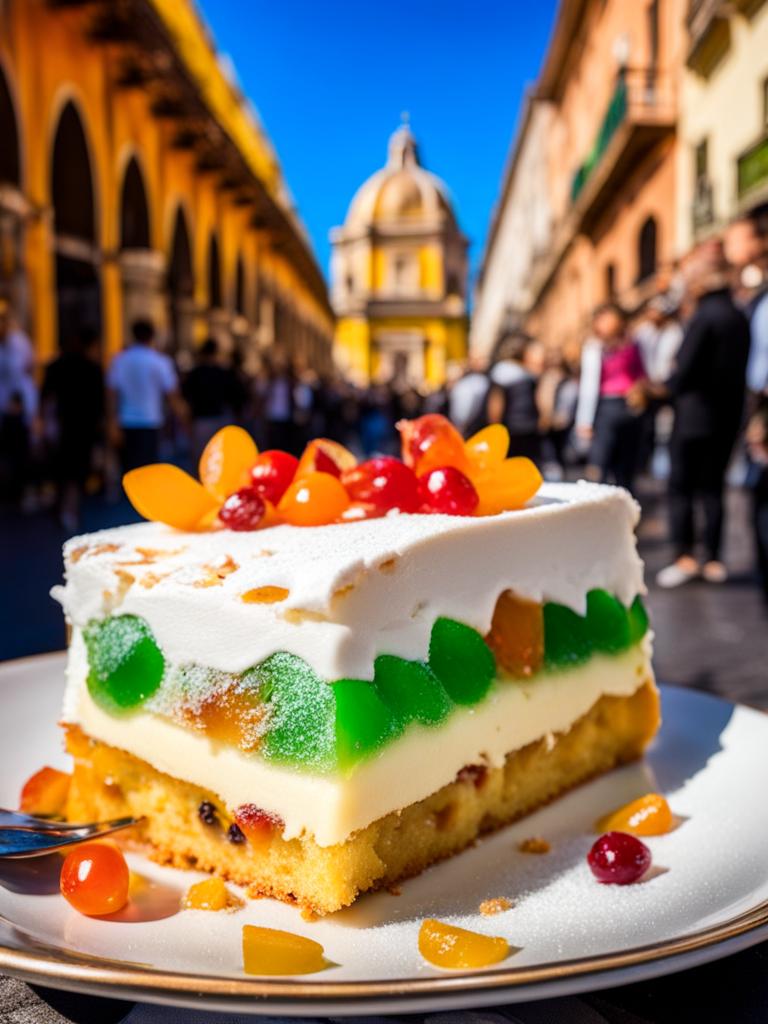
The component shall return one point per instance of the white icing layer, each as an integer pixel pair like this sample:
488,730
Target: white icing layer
330,808
398,574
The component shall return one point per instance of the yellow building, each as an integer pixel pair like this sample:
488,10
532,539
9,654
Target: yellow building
398,275
135,180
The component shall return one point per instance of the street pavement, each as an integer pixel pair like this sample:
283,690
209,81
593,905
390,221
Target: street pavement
711,637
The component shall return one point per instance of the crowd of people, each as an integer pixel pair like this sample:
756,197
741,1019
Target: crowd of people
679,389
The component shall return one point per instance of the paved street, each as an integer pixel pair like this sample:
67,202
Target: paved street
713,638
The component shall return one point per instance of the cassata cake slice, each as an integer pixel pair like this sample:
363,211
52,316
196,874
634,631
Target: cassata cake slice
314,712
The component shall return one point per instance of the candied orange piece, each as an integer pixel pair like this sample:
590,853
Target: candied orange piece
649,815
210,894
325,456
265,595
488,447
226,461
256,824
507,485
166,494
272,951
45,792
445,945
314,500
233,716
431,442
516,636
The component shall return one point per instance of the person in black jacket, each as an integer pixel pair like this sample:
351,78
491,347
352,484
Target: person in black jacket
707,389
511,397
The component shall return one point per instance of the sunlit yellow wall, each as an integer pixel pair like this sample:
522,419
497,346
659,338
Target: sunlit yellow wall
431,269
49,60
353,346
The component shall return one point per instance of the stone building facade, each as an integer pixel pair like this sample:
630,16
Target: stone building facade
398,275
136,181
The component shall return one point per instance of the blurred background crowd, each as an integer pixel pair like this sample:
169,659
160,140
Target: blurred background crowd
675,391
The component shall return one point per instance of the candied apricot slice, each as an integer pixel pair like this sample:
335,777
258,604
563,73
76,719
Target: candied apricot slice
45,792
225,465
507,485
453,948
265,595
649,815
210,894
313,500
516,636
166,494
488,447
431,441
273,951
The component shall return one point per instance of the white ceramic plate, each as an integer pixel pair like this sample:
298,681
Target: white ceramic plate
708,896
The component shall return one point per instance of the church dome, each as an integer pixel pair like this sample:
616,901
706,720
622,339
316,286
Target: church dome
403,192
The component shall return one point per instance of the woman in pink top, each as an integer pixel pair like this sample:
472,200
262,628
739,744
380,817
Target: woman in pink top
611,398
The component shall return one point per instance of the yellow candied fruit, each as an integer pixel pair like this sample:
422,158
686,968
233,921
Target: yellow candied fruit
649,815
265,595
452,948
272,951
534,845
210,894
226,461
488,447
496,905
45,792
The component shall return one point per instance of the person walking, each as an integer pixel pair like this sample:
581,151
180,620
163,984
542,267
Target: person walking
467,394
18,409
707,389
213,395
72,399
141,383
511,397
611,398
757,445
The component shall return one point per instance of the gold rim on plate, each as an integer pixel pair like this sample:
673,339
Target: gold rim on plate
96,973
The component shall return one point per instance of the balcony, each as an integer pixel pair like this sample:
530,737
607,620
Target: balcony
709,33
641,113
752,172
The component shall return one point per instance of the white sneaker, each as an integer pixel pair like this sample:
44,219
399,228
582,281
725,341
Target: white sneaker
675,575
714,572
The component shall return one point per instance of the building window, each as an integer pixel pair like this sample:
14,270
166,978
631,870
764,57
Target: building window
646,250
404,274
701,160
703,213
610,281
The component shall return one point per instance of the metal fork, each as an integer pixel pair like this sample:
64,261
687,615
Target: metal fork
22,835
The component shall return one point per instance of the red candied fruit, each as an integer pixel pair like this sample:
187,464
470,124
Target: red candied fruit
272,473
447,490
243,510
95,879
256,823
618,858
431,441
325,464
383,483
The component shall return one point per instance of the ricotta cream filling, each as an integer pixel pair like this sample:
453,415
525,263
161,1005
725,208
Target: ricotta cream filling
330,808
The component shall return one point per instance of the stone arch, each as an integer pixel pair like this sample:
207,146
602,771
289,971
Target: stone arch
647,249
240,296
214,273
73,197
181,283
10,151
135,232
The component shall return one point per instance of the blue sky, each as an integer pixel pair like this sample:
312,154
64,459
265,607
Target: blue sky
331,79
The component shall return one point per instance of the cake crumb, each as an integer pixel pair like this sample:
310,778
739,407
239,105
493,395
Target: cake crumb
394,890
534,844
497,905
308,914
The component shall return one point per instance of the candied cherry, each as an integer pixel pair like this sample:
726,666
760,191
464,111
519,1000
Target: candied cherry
45,792
273,951
325,456
447,490
618,858
447,946
431,441
166,494
314,500
95,879
272,474
243,510
384,483
488,447
226,460
649,815
257,824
